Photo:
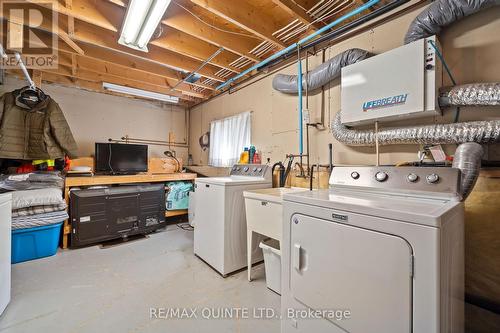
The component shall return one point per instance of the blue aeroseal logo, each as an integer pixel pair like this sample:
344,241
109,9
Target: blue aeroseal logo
385,102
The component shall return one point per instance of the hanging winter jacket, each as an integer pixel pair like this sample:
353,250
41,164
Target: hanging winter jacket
33,132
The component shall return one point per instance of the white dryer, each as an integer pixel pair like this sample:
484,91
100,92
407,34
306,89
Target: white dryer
5,248
220,233
381,251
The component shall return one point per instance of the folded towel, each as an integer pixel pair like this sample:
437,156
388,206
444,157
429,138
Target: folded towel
31,181
39,220
40,197
34,210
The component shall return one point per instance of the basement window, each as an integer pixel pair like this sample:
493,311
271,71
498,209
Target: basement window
228,138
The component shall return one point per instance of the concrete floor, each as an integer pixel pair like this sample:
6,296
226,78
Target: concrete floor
114,289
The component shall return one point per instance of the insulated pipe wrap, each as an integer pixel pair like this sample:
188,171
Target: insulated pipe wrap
321,75
475,131
468,159
476,94
442,13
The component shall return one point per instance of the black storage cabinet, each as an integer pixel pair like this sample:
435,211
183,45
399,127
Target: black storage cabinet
104,214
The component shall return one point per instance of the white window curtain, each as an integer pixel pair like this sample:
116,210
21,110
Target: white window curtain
228,138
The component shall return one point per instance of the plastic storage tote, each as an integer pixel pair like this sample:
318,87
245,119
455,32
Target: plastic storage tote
272,263
178,196
35,243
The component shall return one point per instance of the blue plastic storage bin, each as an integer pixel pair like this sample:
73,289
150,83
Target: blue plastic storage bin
35,243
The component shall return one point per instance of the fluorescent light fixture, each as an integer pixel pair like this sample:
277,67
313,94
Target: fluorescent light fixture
143,16
139,92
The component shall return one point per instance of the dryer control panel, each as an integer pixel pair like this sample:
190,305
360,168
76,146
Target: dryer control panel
252,170
443,180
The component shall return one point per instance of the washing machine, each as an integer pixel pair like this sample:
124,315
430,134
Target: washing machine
381,251
220,233
5,248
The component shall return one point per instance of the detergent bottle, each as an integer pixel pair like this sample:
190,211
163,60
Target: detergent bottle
251,154
244,157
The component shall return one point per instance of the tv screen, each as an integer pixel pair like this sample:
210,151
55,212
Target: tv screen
117,158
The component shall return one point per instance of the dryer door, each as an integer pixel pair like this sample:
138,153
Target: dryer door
336,266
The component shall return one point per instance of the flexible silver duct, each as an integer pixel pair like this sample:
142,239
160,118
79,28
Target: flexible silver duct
475,131
321,75
468,159
439,14
476,94
442,13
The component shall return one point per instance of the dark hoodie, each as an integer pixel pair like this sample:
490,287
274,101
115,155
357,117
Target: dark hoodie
31,132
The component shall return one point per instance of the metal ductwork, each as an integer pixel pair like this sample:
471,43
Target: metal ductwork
480,94
468,159
321,75
474,131
477,94
442,13
439,14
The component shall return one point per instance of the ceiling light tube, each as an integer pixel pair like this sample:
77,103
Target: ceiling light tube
141,21
139,92
154,18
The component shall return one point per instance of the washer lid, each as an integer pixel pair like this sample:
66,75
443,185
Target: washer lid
232,181
271,194
408,208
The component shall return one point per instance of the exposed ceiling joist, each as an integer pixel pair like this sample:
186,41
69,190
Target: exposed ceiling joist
96,53
292,8
181,17
67,39
47,26
107,39
65,69
87,33
105,62
79,83
245,16
87,75
84,10
189,46
190,32
181,20
107,16
107,68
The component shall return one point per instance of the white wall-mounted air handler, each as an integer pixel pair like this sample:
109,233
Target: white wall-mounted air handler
400,83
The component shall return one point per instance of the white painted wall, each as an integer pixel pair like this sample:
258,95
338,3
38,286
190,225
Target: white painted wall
95,117
471,48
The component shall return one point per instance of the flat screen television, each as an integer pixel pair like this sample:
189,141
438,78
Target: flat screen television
117,158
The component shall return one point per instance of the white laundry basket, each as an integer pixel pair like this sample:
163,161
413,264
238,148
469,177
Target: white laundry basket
272,263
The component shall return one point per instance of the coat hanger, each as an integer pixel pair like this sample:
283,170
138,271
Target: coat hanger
31,94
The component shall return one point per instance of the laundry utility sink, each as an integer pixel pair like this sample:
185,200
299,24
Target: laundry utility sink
264,214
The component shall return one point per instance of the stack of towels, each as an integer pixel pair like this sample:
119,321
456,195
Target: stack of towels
36,208
37,199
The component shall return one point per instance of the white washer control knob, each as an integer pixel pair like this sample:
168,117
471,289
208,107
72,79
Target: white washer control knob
355,175
412,178
254,169
245,169
381,176
259,169
432,178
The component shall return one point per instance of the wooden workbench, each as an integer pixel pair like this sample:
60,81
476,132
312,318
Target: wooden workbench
113,180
